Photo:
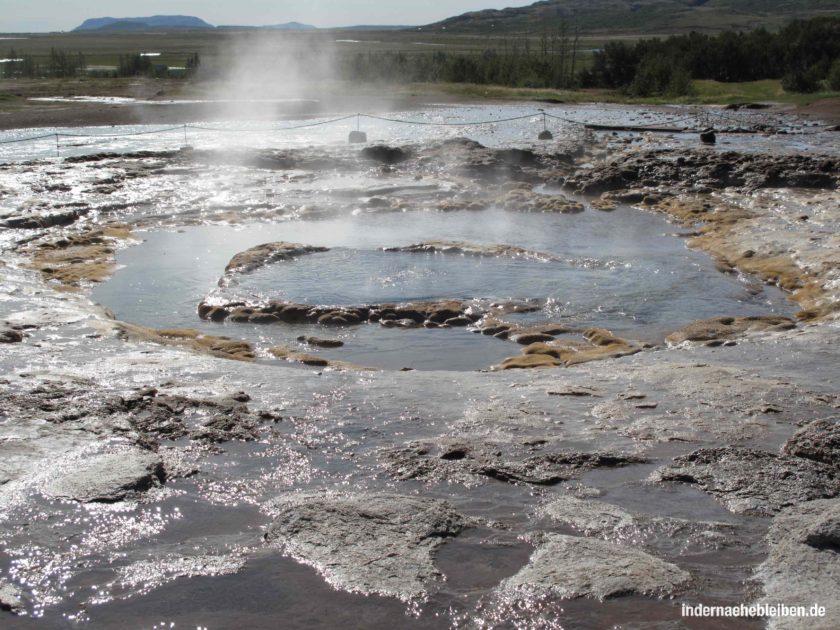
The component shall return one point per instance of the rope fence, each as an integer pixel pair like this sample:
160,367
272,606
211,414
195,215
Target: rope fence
702,120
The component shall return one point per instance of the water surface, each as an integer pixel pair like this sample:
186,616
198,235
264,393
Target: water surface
625,271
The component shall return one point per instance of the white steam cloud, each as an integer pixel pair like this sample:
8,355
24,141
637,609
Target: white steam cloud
270,75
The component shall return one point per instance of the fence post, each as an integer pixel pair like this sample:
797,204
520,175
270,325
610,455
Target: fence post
545,134
57,147
358,135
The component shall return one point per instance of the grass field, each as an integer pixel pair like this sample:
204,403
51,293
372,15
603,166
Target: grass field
705,92
214,46
711,92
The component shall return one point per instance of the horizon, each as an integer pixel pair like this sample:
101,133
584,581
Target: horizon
50,16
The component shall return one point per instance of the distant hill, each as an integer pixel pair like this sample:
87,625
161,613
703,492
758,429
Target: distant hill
290,26
154,22
641,16
157,22
373,27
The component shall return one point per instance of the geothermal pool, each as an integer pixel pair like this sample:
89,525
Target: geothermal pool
625,270
588,453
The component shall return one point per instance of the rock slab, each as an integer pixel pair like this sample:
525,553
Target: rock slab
366,543
752,481
570,567
803,566
109,478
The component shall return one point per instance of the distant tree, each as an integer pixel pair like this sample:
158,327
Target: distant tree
803,80
63,63
29,68
10,67
192,64
133,65
802,53
834,76
659,76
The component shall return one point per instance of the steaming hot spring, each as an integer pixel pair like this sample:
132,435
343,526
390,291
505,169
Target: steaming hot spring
453,376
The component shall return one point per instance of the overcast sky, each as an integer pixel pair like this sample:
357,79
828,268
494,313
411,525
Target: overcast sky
64,15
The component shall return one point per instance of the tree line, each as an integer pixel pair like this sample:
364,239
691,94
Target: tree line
67,64
552,61
803,54
59,63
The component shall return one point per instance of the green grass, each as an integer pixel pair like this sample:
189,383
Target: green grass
14,93
714,92
706,93
472,91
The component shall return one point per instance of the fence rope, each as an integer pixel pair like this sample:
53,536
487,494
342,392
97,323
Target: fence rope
698,117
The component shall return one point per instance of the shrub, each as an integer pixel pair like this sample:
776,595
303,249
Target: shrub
804,81
834,77
658,76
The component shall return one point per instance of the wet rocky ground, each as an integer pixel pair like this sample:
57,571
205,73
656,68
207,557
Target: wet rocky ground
169,476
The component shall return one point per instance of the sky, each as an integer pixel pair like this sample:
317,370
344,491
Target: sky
17,16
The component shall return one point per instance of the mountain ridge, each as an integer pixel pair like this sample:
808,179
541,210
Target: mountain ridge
152,22
644,16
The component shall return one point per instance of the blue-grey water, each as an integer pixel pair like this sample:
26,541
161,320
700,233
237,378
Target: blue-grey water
625,270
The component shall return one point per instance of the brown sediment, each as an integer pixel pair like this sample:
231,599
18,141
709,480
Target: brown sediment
725,328
541,332
222,347
599,344
86,257
604,205
267,253
433,313
524,199
318,342
454,205
528,361
294,356
721,225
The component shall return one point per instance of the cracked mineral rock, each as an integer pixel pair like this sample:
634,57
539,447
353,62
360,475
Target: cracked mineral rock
589,517
569,567
10,334
319,342
726,328
156,572
366,543
707,168
10,598
462,461
752,481
604,520
818,441
463,248
109,477
265,254
803,566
